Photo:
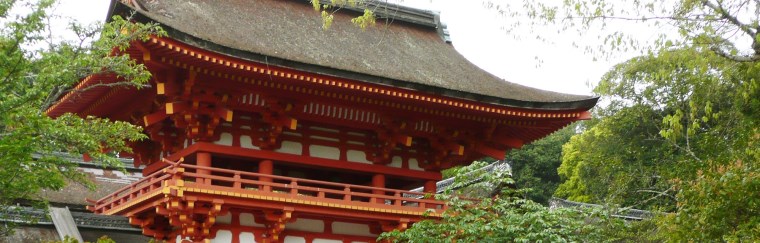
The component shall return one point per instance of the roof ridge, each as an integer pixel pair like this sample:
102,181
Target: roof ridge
395,12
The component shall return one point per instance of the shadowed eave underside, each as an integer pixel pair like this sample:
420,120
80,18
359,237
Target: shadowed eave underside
289,34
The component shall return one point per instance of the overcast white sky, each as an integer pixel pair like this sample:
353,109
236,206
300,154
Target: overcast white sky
477,34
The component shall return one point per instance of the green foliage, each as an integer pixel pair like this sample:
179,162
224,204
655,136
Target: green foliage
33,79
669,116
676,125
68,239
500,215
363,21
721,204
534,166
613,161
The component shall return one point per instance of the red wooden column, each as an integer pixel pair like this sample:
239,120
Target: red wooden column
266,167
203,159
378,180
430,187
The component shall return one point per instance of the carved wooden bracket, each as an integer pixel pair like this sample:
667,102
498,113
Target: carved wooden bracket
401,225
388,138
276,115
275,221
190,217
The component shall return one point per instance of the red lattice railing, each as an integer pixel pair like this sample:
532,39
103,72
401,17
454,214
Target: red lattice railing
271,185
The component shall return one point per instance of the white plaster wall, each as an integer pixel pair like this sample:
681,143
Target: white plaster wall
224,139
357,156
317,240
325,129
290,147
247,142
308,225
325,138
222,236
356,134
351,229
224,219
414,165
324,152
396,161
293,239
246,219
246,237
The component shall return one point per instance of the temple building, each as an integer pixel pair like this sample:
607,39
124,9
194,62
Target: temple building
266,128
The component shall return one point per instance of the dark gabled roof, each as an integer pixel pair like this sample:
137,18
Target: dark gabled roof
402,50
30,215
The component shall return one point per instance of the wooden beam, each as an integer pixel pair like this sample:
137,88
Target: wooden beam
508,141
491,152
224,113
585,115
155,117
176,107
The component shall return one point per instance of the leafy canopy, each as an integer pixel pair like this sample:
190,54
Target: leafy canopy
499,214
35,72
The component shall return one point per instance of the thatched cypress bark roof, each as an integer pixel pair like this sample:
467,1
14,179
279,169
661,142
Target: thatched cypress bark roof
402,50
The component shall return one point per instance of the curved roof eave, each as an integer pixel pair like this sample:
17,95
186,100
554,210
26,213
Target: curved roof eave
124,10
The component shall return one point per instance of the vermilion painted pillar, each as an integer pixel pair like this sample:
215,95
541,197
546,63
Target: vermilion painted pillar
378,180
203,159
430,187
266,167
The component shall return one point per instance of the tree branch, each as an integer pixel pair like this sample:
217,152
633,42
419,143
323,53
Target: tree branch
726,15
736,58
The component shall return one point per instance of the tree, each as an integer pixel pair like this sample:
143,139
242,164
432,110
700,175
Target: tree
35,72
675,134
498,214
722,203
534,166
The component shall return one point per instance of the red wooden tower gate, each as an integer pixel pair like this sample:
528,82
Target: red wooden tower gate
257,133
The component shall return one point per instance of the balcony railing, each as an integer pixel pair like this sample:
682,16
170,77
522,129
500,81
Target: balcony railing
250,183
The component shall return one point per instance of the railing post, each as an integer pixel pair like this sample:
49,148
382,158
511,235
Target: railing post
397,200
203,160
347,195
236,183
132,191
293,189
266,167
176,177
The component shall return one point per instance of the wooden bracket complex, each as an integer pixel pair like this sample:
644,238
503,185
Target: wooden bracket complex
276,115
275,221
401,225
388,138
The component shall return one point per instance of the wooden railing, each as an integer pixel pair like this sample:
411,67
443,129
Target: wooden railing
144,186
271,185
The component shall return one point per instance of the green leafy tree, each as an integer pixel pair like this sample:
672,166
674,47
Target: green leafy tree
35,71
672,118
722,203
499,214
534,166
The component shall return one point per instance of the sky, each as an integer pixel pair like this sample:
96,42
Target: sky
479,35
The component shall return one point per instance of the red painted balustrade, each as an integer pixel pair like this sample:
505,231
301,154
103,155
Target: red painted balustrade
196,178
